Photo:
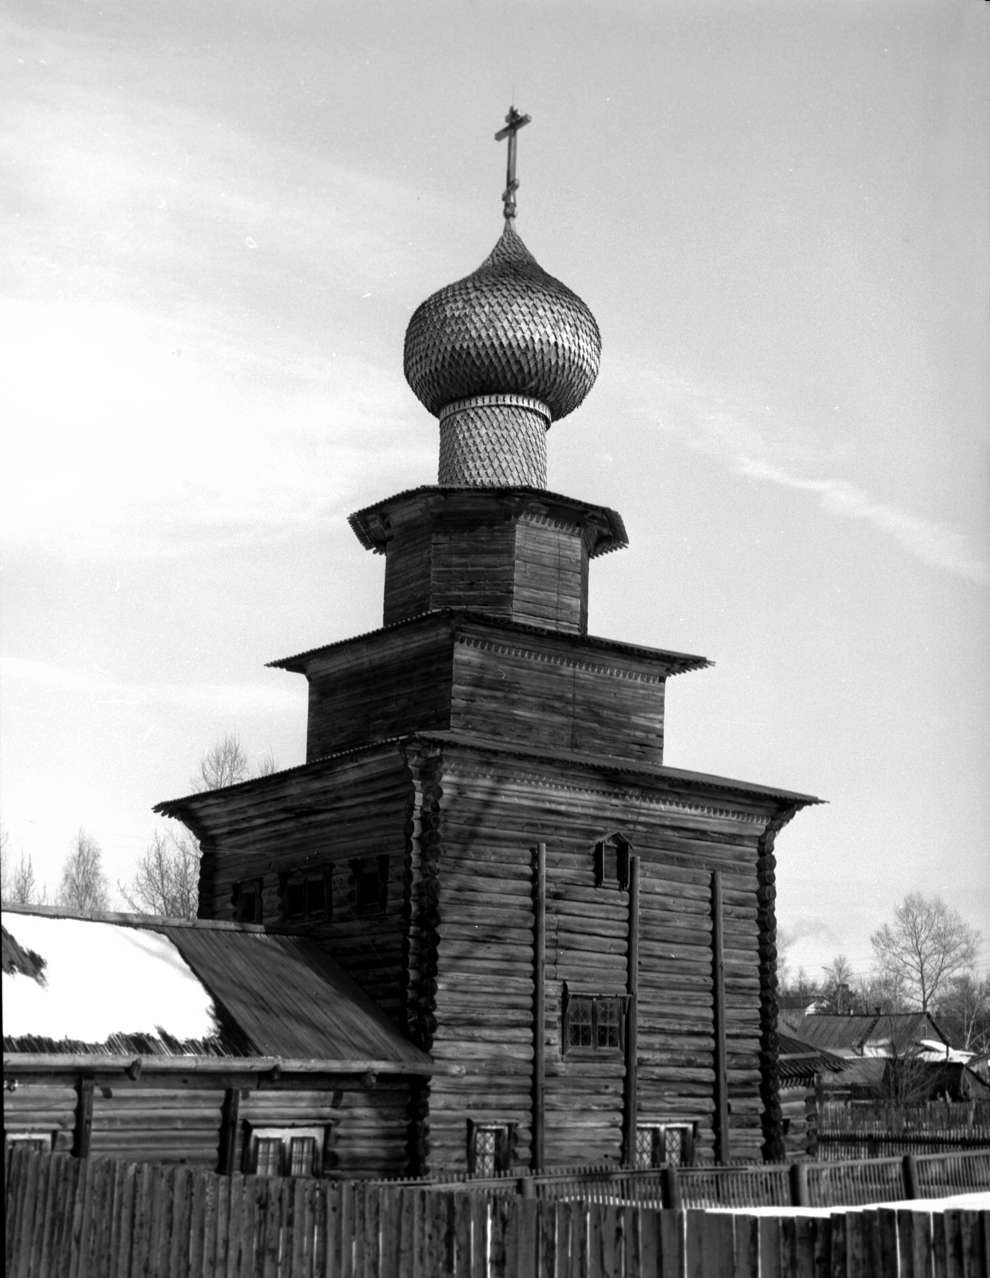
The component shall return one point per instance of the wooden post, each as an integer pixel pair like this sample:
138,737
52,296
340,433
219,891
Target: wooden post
538,1142
670,1188
718,1011
799,1184
229,1116
910,1170
632,1020
83,1130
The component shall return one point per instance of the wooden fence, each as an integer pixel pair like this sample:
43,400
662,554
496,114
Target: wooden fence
81,1218
847,1182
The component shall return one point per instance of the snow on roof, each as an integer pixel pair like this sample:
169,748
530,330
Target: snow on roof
145,988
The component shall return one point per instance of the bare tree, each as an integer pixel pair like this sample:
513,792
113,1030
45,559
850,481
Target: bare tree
225,763
84,886
166,881
927,943
837,989
267,764
964,1011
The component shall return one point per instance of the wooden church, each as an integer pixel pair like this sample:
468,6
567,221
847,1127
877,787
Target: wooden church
484,834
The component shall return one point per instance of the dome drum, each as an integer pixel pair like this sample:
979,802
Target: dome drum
494,441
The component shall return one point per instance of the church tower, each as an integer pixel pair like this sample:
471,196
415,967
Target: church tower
484,832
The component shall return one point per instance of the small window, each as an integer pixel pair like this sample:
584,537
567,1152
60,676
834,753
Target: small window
370,875
594,1022
246,900
612,862
285,1151
664,1144
305,896
37,1142
490,1147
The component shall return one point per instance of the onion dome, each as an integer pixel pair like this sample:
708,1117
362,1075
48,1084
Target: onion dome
509,328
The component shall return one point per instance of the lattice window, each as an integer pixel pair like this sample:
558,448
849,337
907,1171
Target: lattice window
612,862
489,1147
594,1022
664,1144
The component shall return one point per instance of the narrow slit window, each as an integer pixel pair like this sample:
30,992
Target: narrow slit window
612,862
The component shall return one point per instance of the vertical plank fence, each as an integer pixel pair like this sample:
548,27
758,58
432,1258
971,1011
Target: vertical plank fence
83,1218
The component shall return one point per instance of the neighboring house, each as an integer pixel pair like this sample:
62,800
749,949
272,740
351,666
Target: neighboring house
894,1035
220,1044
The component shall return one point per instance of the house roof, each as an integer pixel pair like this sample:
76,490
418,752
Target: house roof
799,1062
124,985
849,1035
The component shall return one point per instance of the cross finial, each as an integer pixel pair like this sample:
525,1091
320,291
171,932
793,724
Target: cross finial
513,123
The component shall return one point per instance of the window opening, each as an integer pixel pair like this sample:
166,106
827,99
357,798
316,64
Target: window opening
273,1151
594,1022
489,1147
664,1144
37,1142
612,862
246,900
305,896
370,876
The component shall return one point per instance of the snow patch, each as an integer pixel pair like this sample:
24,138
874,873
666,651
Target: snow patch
102,979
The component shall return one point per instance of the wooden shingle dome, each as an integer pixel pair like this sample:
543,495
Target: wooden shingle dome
497,357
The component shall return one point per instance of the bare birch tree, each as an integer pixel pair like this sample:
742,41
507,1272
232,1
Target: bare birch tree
927,944
166,881
84,887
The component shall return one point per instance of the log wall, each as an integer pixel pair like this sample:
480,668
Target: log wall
492,815
358,809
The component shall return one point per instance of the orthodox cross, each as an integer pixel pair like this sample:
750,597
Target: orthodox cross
513,123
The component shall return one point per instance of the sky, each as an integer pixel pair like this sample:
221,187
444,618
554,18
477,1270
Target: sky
218,220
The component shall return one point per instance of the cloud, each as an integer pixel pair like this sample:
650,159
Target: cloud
744,438
101,689
931,542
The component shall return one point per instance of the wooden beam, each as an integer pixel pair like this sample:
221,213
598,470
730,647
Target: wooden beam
538,1144
83,1129
630,1106
718,1013
229,1119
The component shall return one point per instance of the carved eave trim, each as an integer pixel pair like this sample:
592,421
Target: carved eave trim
559,659
602,527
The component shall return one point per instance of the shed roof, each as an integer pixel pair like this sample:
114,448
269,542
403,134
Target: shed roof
123,985
799,1062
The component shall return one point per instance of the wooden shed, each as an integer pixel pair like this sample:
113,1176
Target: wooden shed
219,1044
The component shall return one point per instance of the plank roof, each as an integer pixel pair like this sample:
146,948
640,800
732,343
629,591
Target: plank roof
121,985
851,1034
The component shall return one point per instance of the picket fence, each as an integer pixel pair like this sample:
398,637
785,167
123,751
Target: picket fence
82,1218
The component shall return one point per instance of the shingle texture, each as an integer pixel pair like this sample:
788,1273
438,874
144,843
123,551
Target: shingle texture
508,328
